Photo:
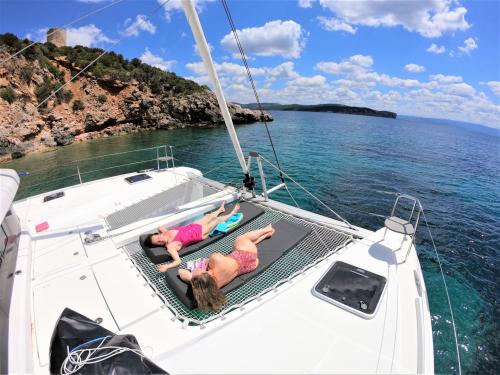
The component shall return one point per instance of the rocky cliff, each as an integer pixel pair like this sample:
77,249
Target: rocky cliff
114,96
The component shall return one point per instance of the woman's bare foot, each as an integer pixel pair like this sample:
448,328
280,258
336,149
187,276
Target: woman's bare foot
162,267
269,229
235,209
222,208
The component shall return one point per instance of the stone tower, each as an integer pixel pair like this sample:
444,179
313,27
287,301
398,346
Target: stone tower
57,36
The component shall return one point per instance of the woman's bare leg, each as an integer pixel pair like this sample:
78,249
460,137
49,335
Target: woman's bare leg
249,240
256,235
211,216
208,227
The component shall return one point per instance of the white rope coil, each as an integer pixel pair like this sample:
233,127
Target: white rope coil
79,357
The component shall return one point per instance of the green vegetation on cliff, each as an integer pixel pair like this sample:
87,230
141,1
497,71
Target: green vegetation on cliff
111,65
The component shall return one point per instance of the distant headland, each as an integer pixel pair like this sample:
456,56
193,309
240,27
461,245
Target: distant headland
333,108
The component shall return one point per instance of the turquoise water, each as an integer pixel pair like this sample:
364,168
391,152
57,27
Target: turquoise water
349,161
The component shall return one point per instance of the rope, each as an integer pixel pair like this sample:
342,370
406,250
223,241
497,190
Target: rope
90,64
64,26
252,82
312,195
78,358
447,293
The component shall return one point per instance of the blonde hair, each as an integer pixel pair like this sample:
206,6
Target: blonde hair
206,293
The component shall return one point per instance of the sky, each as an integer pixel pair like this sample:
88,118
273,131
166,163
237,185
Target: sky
426,58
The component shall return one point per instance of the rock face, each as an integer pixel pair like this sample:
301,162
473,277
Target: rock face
95,107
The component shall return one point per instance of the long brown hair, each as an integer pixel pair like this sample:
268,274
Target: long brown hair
206,293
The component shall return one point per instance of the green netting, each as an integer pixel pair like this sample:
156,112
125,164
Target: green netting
316,245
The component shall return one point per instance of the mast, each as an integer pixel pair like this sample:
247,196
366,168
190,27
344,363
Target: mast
201,42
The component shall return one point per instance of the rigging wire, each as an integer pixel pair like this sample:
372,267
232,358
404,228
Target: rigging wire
90,64
252,83
311,194
64,26
447,293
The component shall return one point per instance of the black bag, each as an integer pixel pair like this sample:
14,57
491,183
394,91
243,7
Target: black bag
73,329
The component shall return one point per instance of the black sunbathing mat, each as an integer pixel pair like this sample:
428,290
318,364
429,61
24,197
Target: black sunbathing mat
293,261
158,254
287,236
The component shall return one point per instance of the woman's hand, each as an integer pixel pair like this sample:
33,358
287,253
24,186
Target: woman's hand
164,267
185,275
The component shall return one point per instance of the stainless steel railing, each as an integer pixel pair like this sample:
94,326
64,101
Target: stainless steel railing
83,170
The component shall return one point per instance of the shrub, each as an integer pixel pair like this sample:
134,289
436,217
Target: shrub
11,41
27,73
78,106
111,63
53,70
8,94
43,91
102,99
66,96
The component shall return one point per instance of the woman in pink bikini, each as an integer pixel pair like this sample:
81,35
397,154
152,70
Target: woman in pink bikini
222,269
175,238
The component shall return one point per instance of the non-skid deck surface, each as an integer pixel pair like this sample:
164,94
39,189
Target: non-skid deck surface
159,254
316,245
159,204
287,235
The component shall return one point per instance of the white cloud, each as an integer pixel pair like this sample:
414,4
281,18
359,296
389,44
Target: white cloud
317,80
430,18
469,46
176,5
334,24
282,71
306,3
227,71
149,58
141,23
275,38
356,64
414,68
434,48
460,89
88,36
442,96
362,60
441,78
494,86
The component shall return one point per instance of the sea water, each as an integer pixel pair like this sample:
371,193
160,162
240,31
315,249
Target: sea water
354,164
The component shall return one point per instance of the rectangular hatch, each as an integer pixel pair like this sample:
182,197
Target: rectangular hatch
351,288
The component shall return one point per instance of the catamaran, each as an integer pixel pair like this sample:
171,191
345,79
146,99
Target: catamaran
328,296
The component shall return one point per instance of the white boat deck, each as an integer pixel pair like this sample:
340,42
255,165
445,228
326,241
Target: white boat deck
287,331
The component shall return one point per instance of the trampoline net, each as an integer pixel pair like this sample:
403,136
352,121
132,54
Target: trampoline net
305,254
160,203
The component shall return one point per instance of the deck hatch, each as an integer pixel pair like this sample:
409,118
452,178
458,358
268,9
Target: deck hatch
137,178
350,287
307,253
51,197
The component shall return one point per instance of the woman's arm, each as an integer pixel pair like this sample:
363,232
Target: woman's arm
162,230
185,275
173,249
